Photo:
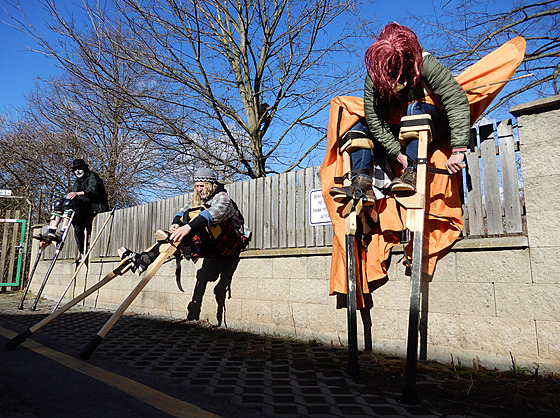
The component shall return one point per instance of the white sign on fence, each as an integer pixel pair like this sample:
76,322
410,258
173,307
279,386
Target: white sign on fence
318,214
5,192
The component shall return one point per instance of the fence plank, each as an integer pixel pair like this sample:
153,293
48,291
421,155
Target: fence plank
246,210
258,201
139,220
133,217
283,211
275,212
268,199
125,237
474,194
173,206
327,233
95,226
257,237
310,231
491,180
149,224
143,224
301,204
108,246
510,182
103,247
291,201
118,238
161,218
245,204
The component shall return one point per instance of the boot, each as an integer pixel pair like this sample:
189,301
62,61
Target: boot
406,184
361,188
54,236
193,311
141,261
50,236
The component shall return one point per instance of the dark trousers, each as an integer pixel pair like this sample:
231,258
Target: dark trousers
83,220
82,234
213,269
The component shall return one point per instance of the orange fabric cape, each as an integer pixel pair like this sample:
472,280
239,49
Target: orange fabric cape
443,222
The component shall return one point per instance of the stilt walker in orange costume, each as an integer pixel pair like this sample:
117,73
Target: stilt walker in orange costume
381,222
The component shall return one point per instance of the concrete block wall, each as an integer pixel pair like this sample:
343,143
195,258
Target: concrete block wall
489,301
539,137
480,305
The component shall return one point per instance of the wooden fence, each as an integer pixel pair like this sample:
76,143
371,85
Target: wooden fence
277,208
494,204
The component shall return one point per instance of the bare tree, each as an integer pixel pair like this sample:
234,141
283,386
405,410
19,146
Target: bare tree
30,165
84,114
460,32
98,127
238,85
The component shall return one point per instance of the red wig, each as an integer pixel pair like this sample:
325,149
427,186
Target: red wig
395,55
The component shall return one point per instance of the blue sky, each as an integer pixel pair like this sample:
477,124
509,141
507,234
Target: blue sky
23,67
20,66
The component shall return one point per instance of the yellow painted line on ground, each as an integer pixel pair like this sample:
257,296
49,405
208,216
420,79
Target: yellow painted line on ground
157,399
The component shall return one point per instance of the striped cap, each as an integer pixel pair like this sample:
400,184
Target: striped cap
205,174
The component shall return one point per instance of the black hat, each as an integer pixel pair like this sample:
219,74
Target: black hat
78,163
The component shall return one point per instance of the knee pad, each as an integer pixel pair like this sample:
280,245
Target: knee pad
412,125
58,205
68,207
68,213
57,209
68,204
357,137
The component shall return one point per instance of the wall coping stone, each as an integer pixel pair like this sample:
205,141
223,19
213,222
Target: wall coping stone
469,244
536,106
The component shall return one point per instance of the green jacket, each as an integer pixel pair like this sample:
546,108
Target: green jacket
440,81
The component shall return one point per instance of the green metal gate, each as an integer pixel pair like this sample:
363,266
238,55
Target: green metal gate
14,239
13,248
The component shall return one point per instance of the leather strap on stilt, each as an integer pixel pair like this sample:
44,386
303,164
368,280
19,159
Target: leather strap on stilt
178,258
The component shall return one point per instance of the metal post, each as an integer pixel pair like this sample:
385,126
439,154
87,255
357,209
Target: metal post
55,257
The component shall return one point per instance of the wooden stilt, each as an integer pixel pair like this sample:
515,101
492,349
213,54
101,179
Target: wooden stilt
83,260
59,248
122,268
351,222
166,250
415,126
